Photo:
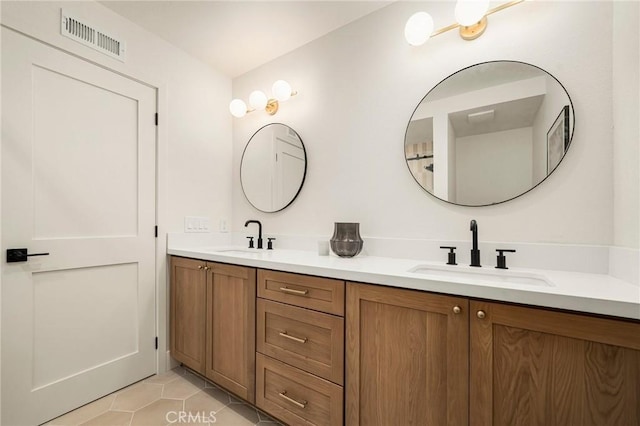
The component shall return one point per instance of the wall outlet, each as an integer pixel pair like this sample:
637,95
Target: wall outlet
224,226
196,224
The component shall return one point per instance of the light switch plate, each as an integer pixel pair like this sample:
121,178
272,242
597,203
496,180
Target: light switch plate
196,224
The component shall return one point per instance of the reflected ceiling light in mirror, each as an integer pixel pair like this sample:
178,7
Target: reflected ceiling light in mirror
471,17
258,100
481,117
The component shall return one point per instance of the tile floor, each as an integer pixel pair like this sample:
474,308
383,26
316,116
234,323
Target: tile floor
159,400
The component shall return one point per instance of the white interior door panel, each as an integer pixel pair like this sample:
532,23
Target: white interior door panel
78,182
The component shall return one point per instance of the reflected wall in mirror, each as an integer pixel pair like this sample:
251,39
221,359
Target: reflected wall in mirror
273,167
489,133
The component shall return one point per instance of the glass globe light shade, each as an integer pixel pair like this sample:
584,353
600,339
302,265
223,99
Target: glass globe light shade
281,90
418,28
238,108
258,100
470,12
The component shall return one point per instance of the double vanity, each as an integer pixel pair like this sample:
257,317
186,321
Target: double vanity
324,340
370,340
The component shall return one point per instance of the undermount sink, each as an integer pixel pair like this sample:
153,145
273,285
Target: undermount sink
483,275
238,251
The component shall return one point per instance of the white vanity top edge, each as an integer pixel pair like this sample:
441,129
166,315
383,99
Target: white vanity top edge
574,291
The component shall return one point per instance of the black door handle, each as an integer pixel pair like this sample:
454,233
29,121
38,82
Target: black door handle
21,255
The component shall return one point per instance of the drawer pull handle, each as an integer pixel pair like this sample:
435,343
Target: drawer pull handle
302,404
290,337
292,291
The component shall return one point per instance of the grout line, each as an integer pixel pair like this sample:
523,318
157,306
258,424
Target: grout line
115,395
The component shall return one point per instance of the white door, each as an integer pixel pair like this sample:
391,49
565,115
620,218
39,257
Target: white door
78,182
289,167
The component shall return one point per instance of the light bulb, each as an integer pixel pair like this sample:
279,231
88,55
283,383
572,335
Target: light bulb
418,28
281,90
258,100
470,12
238,108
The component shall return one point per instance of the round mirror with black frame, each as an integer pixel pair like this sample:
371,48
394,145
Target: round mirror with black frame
273,167
489,133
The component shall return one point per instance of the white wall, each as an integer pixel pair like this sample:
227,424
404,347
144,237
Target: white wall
358,87
483,162
194,134
626,125
195,98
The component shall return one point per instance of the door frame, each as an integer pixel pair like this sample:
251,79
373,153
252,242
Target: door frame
163,361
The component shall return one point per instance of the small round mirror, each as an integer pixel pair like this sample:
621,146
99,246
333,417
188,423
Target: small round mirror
489,133
273,167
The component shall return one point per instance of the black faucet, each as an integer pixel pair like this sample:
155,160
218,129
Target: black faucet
475,253
259,231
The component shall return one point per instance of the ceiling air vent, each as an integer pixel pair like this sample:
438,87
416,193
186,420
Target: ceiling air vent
80,31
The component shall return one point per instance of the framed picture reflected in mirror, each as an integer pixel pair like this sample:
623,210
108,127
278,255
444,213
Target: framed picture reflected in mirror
558,139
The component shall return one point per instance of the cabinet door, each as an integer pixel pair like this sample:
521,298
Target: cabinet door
407,357
231,329
538,367
188,312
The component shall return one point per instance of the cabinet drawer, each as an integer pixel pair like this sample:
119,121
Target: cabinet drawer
295,396
309,340
320,294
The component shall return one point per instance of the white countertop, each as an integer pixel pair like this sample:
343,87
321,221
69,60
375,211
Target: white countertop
583,292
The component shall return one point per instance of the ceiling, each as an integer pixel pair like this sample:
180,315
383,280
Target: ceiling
234,37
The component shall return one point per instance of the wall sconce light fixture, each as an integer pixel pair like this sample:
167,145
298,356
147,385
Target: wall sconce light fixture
471,18
281,91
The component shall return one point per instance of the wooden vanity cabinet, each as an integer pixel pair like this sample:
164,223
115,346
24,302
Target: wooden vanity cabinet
213,322
300,348
231,329
406,357
533,366
408,361
412,357
188,306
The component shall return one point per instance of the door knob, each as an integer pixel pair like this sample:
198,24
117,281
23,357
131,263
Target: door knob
21,255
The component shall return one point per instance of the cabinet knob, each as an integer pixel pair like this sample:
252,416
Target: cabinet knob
200,266
456,310
481,314
206,268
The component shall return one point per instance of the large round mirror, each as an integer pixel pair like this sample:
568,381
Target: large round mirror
273,167
489,133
